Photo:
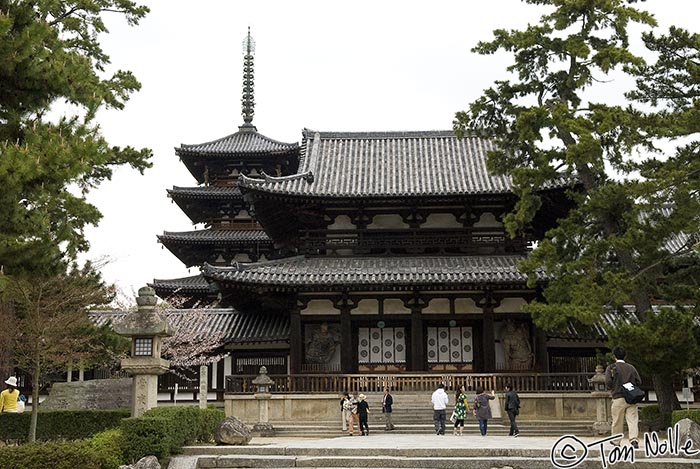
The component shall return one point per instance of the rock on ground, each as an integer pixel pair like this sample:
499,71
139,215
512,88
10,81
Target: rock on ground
231,431
689,430
147,462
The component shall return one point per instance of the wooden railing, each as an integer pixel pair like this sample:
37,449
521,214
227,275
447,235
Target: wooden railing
337,383
368,240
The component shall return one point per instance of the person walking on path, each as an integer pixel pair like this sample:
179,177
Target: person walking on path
460,412
512,409
363,411
482,410
616,376
351,408
344,414
8,398
387,402
440,401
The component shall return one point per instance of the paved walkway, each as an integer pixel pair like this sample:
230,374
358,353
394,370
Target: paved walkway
471,449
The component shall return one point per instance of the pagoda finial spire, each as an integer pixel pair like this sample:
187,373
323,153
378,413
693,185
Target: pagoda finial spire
248,100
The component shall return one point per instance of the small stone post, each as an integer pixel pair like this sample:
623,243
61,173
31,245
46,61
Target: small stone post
145,327
601,396
263,383
203,388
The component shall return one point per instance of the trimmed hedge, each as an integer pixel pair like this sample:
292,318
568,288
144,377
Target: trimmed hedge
184,424
651,418
692,414
103,451
146,436
109,447
60,425
67,455
209,421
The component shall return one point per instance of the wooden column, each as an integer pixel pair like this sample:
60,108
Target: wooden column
295,342
489,338
541,356
417,340
347,356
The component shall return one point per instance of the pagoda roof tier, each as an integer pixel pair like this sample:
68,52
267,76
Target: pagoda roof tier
236,327
205,204
206,193
221,237
193,284
389,165
243,143
215,246
372,272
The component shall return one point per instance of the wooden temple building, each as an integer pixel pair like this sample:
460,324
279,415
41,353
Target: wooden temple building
364,252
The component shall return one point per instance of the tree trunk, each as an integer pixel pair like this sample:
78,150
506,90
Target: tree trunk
665,394
35,403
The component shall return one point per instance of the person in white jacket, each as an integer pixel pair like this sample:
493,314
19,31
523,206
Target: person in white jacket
440,401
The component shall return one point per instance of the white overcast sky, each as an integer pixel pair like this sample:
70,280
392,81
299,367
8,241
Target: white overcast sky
325,65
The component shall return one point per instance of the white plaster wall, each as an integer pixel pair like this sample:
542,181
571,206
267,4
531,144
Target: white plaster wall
320,307
466,306
395,306
441,220
366,306
389,221
438,306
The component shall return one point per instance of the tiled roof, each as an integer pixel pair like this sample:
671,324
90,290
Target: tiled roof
190,284
388,164
237,327
244,142
576,330
215,236
330,271
206,192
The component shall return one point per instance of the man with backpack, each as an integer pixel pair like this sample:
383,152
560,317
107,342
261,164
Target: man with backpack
623,381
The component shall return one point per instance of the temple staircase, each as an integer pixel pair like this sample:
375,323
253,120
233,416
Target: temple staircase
412,413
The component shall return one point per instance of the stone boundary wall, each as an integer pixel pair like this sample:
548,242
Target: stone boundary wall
325,407
94,394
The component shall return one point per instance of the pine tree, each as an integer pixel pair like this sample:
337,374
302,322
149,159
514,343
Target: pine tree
50,59
631,236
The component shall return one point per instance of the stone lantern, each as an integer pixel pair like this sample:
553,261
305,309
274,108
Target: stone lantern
263,385
601,395
146,328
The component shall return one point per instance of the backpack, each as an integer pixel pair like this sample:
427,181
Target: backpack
632,394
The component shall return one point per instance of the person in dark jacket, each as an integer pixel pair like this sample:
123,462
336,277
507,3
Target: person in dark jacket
512,409
387,402
616,376
482,410
363,411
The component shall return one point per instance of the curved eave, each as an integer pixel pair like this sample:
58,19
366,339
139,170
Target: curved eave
399,273
218,237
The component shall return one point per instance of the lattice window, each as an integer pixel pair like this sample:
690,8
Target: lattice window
381,345
450,345
143,347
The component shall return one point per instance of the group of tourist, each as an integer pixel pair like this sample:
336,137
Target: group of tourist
481,409
355,412
620,375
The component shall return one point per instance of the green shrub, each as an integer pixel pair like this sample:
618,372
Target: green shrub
146,436
66,455
209,419
108,447
692,414
60,425
651,419
184,424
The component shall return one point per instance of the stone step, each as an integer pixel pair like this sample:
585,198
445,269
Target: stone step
385,462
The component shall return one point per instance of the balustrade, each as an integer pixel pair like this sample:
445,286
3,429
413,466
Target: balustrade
338,383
